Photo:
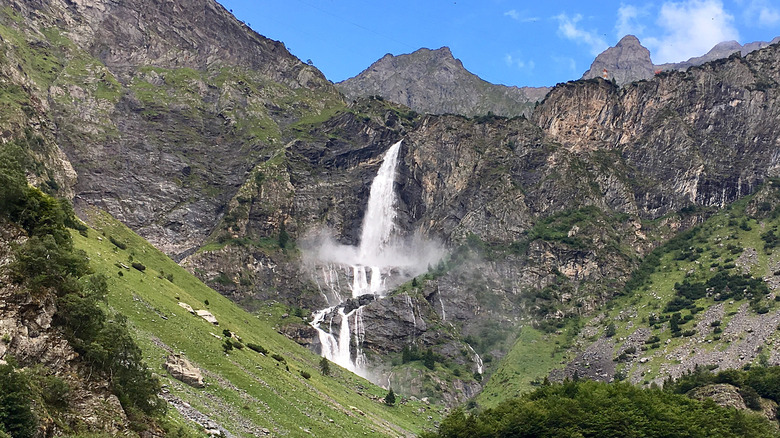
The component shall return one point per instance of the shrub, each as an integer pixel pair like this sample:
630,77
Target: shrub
305,375
139,266
751,397
257,348
16,416
119,244
279,358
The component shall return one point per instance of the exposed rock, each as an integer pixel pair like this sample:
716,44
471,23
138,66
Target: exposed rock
434,82
181,369
628,61
303,334
205,314
722,394
186,307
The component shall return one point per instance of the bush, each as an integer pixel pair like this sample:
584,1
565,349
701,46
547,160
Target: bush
279,358
117,243
305,375
611,330
751,397
593,409
139,266
16,415
257,348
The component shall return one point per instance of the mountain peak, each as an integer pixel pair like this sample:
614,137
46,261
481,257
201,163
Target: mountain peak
627,61
628,40
434,81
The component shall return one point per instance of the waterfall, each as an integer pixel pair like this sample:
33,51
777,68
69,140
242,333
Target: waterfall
376,236
379,220
476,359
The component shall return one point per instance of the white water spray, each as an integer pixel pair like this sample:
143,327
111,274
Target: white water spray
377,233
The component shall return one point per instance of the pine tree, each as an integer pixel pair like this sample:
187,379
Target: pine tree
429,360
390,398
325,366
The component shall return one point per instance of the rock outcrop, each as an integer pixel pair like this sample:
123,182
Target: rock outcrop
434,82
181,369
629,61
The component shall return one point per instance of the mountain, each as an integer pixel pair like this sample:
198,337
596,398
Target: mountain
629,61
433,81
506,247
154,90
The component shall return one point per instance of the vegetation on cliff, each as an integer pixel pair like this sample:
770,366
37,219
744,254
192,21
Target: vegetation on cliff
47,264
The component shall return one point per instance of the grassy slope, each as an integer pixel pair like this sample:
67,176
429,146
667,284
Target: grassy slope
535,353
243,387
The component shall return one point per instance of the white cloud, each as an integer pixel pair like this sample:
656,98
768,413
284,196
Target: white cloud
512,61
628,21
768,17
759,12
520,16
568,28
690,28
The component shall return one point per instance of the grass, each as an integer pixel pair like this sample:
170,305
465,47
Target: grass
531,358
535,354
244,388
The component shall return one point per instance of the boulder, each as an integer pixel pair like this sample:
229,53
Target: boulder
205,314
181,369
186,307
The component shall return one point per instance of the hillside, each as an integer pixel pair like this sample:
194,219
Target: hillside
434,82
247,393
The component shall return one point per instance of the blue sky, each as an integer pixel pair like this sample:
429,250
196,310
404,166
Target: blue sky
519,43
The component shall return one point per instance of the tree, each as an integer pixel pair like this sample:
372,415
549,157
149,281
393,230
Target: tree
16,416
325,366
390,398
611,330
429,360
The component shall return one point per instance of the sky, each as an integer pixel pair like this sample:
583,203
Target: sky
521,43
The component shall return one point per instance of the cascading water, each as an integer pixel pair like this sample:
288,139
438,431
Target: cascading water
376,236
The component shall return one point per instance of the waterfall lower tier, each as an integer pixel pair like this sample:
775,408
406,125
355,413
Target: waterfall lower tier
337,349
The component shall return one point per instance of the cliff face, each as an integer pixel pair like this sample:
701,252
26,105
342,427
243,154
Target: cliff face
698,137
629,61
161,108
433,81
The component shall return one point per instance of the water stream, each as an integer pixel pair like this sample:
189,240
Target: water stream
376,235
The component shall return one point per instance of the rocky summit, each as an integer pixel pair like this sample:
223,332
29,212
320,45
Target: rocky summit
450,239
433,81
629,60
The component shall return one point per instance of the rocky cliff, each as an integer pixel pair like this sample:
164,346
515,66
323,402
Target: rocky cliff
433,81
164,105
629,61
